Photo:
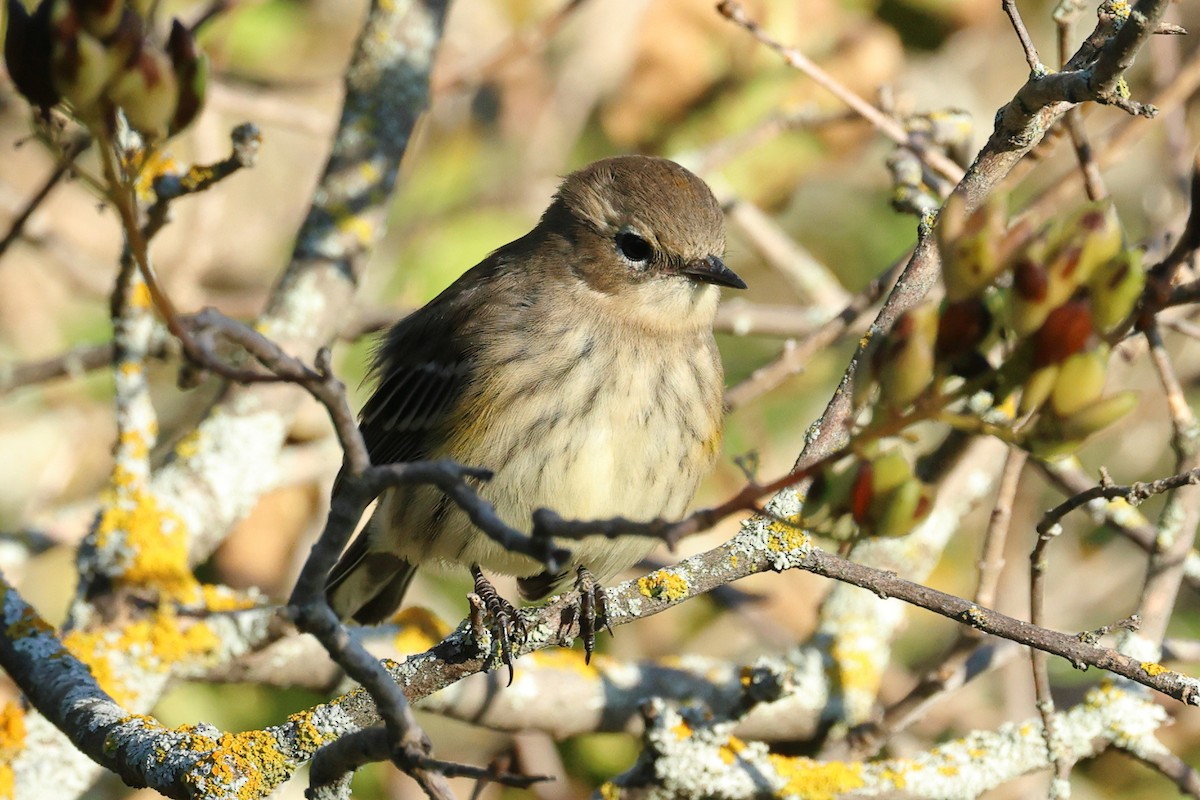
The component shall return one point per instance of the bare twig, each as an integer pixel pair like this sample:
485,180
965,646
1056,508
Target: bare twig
792,358
882,122
1031,55
1181,513
966,659
1170,766
1093,181
66,160
522,44
991,561
1038,660
245,139
1133,494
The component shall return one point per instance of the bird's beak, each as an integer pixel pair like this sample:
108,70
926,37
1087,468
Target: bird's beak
711,269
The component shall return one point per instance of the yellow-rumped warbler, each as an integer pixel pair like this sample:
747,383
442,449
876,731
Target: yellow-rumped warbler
577,363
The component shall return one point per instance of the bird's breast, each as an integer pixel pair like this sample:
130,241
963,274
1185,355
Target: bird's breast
593,422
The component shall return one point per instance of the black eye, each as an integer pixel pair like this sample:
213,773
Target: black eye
634,247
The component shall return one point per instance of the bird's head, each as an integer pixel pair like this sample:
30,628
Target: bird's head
646,236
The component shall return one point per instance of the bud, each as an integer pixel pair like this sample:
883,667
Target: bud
969,246
861,492
828,498
1099,415
147,92
962,329
900,511
1067,330
27,45
1037,389
889,471
1055,437
79,63
191,70
1080,381
99,17
1031,285
1116,287
1097,231
904,363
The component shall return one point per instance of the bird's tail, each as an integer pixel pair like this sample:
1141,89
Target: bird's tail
367,585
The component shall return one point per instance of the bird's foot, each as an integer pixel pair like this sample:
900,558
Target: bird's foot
507,627
593,610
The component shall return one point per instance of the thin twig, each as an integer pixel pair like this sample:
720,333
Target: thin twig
1133,494
965,660
1181,513
1031,54
1038,660
1169,765
991,561
1070,478
794,356
65,161
1093,181
882,122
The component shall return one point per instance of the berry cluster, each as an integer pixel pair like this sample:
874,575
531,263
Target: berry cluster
1026,320
97,57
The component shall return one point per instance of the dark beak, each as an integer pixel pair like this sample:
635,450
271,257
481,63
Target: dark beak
713,270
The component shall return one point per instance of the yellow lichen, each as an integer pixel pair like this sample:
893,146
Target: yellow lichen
1152,669
153,540
420,629
222,598
189,445
123,479
815,780
949,770
255,758
353,224
368,172
133,444
12,742
309,738
130,369
857,670
96,655
155,644
609,791
785,536
12,726
682,730
894,777
729,751
148,165
663,585
564,659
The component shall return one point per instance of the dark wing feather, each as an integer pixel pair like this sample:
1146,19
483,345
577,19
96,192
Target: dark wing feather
424,364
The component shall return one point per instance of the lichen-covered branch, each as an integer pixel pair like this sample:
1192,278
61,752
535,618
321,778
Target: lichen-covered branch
686,756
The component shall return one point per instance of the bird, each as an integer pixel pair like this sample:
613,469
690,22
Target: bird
576,363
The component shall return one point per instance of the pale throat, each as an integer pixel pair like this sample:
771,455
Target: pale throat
668,305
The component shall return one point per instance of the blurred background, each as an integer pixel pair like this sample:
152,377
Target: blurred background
525,91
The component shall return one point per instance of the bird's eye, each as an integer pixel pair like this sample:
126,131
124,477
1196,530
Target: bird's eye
634,247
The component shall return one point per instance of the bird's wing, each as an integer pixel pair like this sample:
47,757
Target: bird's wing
421,378
424,364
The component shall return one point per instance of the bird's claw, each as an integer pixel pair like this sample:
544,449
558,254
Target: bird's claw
507,626
593,610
